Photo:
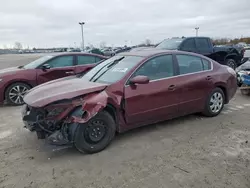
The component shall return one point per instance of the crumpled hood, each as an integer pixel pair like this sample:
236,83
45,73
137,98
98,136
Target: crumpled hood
58,90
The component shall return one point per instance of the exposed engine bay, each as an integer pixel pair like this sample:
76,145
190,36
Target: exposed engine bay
58,121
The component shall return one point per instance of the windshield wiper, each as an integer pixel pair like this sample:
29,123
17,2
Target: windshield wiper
20,67
107,68
114,62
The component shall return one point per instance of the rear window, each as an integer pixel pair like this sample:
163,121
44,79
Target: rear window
206,64
192,64
170,44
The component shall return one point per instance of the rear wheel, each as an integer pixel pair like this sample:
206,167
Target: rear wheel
96,134
231,63
15,92
215,103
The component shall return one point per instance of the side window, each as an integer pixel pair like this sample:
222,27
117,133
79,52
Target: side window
206,64
62,61
157,68
86,59
189,64
189,45
202,45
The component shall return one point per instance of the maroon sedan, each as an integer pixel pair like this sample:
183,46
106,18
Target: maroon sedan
16,81
126,91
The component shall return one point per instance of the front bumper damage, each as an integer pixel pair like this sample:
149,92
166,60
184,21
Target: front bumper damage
58,122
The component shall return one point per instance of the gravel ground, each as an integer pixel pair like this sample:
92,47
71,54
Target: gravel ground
191,151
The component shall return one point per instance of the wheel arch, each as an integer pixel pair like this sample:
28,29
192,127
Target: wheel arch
78,112
233,56
113,112
223,88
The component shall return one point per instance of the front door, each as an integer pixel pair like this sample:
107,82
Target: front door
189,45
157,100
59,67
195,82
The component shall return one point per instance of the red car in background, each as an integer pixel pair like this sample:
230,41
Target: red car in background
16,81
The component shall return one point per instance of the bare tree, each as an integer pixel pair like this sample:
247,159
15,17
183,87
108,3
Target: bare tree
102,44
147,42
18,45
91,45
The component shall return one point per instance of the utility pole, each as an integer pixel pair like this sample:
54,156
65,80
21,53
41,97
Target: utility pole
81,24
197,30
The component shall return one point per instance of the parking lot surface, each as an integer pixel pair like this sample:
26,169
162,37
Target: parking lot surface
191,151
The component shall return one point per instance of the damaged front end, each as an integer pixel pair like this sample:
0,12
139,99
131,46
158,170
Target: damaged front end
57,122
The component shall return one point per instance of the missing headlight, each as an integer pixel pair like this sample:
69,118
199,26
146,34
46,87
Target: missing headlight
55,112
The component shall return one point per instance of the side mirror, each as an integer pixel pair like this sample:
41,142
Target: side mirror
139,80
46,66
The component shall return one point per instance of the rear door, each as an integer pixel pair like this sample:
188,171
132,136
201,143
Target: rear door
157,100
60,66
86,62
195,79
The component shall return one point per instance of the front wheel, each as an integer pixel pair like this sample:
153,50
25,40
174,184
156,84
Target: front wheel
96,134
231,63
215,103
15,92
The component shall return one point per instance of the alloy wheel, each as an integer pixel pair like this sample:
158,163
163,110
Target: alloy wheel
216,102
17,93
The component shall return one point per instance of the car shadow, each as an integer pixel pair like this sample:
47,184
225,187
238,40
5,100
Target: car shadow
7,105
121,138
148,129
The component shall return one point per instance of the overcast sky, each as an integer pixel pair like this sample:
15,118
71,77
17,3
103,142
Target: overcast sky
48,23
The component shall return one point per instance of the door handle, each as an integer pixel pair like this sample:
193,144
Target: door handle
171,87
208,78
69,72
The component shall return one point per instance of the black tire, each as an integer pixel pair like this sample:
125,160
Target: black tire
12,100
82,139
231,63
211,112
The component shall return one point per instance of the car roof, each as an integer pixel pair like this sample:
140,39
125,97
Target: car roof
75,53
146,52
152,52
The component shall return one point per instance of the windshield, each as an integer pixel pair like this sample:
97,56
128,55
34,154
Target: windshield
36,63
170,44
113,69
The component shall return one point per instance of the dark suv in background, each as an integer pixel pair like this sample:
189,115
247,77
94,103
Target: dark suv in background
225,55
